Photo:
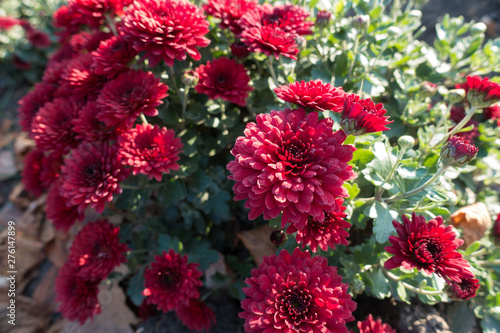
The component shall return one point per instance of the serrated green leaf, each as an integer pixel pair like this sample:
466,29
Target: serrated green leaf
382,217
136,286
202,253
352,189
380,288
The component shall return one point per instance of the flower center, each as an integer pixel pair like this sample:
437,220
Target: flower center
295,303
295,154
169,279
427,251
91,171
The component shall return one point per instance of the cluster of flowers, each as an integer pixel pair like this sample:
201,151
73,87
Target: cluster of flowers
481,93
293,163
172,284
432,247
82,118
95,252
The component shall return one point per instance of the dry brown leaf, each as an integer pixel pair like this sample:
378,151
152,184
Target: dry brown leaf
29,318
221,267
474,220
19,197
258,242
23,144
8,167
116,317
57,249
44,294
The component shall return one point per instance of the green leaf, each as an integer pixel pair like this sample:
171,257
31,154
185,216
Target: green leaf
173,192
382,217
412,171
353,190
380,288
166,242
490,325
340,66
203,254
403,295
379,168
136,286
462,318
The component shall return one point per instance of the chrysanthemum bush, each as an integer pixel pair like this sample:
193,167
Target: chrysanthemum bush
332,123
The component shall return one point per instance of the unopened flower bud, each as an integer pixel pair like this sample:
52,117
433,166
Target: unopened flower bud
190,78
456,96
323,18
361,22
428,89
406,142
357,286
277,237
458,152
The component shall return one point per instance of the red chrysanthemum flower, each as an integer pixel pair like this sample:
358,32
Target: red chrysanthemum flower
97,250
496,229
493,112
369,325
224,78
197,316
323,18
165,29
150,150
7,22
53,73
288,18
128,95
313,95
78,296
95,40
329,232
32,102
68,21
92,12
52,128
59,211
112,56
458,151
457,113
481,92
36,37
88,128
79,79
465,289
91,175
360,116
294,292
171,282
31,175
270,41
229,11
239,49
428,246
291,162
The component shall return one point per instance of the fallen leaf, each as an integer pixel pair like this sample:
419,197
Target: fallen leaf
474,220
44,294
258,242
8,166
23,144
221,267
116,317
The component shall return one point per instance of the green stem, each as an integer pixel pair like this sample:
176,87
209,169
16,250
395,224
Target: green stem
354,56
172,77
418,189
489,262
111,24
271,70
381,190
143,118
377,58
410,287
184,103
444,116
462,123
